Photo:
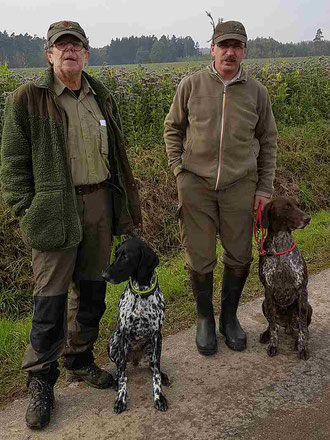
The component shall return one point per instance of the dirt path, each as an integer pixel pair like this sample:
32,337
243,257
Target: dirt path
230,395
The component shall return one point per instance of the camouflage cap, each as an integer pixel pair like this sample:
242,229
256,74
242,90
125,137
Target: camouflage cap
229,30
60,28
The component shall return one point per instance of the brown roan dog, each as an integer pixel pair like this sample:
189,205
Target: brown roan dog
284,276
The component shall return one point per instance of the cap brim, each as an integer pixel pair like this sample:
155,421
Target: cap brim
238,37
68,32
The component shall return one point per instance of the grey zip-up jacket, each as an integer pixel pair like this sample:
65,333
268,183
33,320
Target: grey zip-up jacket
222,132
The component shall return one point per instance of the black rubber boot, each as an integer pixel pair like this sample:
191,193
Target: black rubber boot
41,402
202,286
232,286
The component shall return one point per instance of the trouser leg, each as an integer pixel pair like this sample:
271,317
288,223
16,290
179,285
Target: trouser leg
87,300
52,273
198,223
235,229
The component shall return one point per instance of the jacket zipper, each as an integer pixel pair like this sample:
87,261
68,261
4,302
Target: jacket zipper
221,135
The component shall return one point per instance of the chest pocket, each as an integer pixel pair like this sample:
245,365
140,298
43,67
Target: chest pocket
104,147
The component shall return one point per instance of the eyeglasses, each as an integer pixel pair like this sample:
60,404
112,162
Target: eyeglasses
235,46
64,45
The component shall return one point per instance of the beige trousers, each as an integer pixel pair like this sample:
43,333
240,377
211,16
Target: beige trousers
205,213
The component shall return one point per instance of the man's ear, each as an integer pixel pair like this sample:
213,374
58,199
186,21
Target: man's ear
49,56
212,49
87,57
245,51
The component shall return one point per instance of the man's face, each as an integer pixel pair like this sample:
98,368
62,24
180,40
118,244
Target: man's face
228,55
65,59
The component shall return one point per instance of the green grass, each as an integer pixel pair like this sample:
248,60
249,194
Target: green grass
313,241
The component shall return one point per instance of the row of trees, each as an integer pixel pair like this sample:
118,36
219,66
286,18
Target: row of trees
27,51
270,48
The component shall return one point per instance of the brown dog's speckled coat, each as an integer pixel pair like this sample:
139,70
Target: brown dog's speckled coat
284,276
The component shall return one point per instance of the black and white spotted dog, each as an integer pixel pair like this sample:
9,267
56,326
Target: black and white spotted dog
283,273
141,314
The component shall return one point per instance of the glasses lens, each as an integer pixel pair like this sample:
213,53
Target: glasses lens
64,45
234,46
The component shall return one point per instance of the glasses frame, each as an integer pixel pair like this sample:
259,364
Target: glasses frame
77,46
223,46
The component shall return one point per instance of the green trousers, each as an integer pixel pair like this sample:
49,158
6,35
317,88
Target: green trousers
205,213
70,327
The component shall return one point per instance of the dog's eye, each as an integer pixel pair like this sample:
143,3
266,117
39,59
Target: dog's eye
288,206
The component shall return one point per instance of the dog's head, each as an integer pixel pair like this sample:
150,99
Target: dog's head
283,214
133,259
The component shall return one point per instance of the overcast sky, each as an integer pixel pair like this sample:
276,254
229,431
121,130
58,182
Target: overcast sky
284,20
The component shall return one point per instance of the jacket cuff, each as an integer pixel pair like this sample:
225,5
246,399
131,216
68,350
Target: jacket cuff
176,167
263,194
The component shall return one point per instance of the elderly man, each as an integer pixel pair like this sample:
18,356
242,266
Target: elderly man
66,175
220,137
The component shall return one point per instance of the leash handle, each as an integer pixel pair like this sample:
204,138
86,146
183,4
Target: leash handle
259,232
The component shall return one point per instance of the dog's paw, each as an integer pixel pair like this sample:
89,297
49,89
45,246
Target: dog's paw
272,350
303,354
161,403
264,337
165,379
120,405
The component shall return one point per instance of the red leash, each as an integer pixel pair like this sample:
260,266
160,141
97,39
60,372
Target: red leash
260,235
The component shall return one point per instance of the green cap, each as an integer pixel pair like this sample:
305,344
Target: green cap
229,30
60,28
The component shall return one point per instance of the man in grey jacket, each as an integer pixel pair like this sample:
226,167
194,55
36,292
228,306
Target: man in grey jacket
221,142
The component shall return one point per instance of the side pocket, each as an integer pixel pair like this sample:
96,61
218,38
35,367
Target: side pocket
42,226
255,147
187,151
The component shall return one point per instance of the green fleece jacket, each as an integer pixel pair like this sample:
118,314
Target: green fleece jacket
222,132
35,174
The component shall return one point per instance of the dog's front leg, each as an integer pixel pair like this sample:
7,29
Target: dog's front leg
270,313
302,340
121,399
160,401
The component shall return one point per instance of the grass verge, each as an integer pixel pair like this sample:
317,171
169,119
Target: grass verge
314,243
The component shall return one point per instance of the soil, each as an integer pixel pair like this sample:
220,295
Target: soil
240,395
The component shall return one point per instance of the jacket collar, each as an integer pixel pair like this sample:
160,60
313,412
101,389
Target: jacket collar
242,77
46,81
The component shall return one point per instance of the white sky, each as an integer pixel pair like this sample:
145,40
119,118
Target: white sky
284,20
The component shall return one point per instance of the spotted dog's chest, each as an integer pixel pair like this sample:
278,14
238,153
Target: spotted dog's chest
283,275
141,315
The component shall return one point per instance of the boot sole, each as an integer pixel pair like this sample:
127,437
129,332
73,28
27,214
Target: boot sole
207,352
235,347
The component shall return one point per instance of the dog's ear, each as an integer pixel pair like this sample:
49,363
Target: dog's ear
265,215
148,262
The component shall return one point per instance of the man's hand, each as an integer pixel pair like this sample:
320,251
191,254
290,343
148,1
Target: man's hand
260,201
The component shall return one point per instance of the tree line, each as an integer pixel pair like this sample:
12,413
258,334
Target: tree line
28,51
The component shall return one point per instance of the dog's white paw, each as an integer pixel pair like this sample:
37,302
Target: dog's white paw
161,403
